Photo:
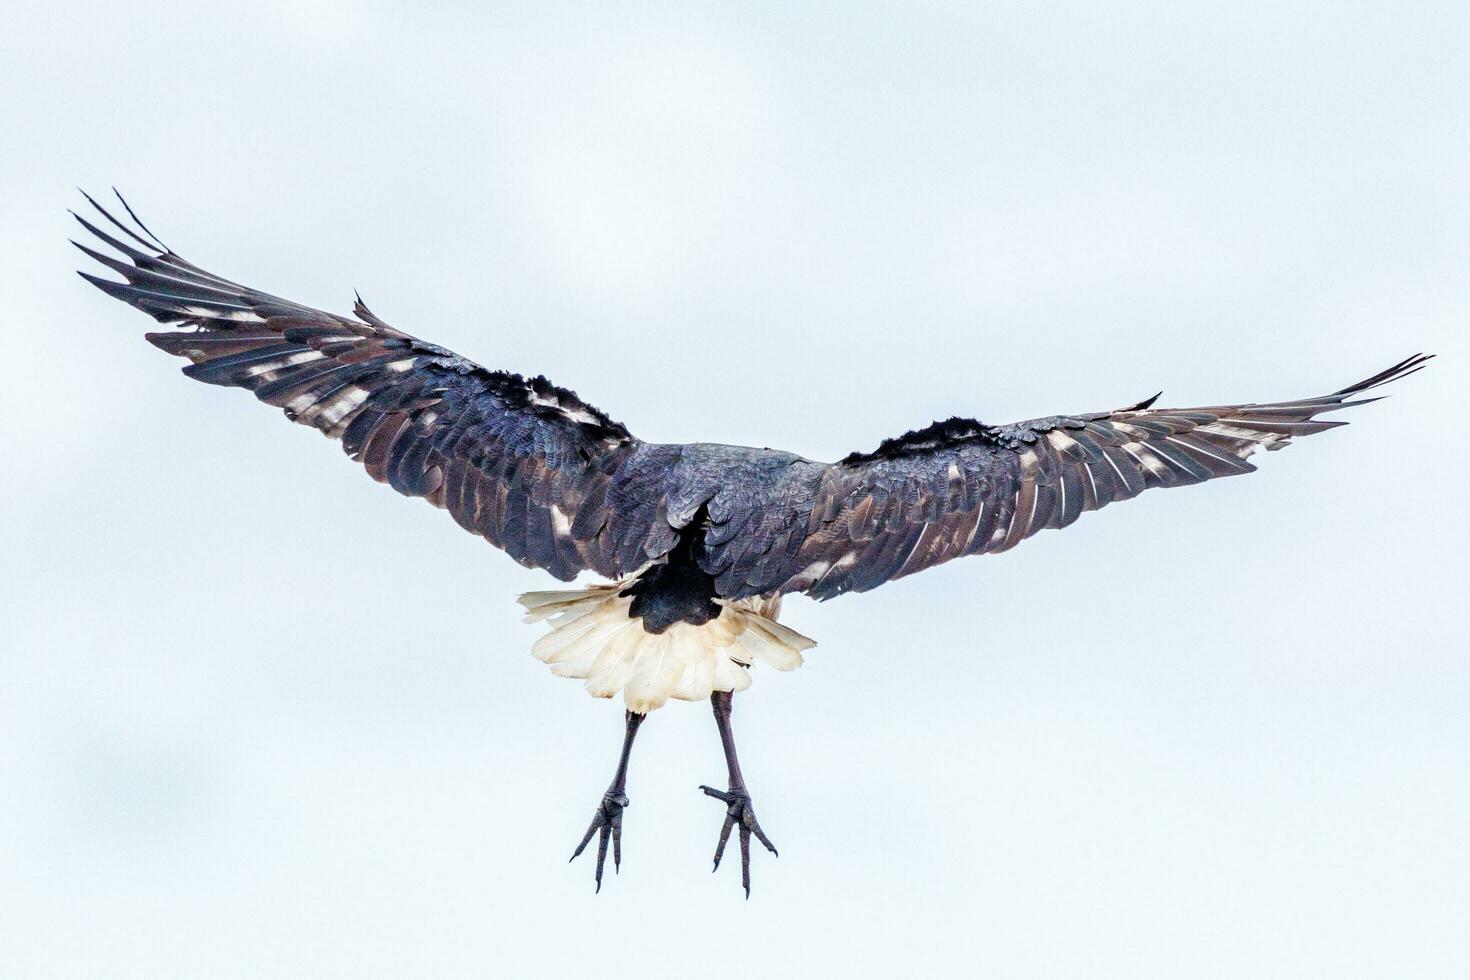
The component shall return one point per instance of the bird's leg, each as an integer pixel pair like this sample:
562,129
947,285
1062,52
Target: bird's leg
739,814
607,822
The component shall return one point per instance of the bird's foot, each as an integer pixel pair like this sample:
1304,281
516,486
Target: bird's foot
739,814
607,823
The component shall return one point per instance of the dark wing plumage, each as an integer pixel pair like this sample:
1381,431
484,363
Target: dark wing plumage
560,486
518,460
964,488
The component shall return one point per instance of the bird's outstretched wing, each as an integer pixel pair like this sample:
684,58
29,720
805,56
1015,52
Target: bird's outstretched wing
518,460
560,486
964,488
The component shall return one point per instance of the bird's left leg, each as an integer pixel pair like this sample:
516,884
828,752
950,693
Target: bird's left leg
607,822
738,810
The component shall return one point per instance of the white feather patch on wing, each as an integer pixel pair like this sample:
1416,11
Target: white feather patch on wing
594,638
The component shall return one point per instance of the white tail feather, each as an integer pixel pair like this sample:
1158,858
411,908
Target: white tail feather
594,638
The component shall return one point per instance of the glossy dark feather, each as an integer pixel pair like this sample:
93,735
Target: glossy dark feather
559,485
970,488
513,459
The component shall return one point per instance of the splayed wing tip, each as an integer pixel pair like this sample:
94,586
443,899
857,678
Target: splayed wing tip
1402,369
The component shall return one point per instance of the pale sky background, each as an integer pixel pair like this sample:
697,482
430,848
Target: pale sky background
261,717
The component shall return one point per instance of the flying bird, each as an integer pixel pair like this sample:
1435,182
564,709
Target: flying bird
698,542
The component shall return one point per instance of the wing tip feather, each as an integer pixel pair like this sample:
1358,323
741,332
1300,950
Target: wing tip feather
1409,365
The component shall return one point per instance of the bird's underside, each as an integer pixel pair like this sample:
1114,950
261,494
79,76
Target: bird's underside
701,540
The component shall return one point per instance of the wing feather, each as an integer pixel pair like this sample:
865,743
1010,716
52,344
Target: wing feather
559,485
512,459
959,487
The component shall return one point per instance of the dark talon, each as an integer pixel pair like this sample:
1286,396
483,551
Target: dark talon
617,837
590,831
602,852
724,838
760,835
745,859
738,809
607,821
607,824
739,813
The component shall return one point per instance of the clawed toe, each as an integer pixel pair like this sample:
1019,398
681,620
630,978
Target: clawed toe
739,813
607,824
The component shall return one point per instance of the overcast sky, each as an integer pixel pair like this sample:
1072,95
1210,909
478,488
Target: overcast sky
261,717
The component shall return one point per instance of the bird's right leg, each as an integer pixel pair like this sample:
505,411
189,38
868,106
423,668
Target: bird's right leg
607,822
739,814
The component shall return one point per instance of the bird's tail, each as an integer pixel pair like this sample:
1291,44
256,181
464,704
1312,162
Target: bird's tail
594,637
